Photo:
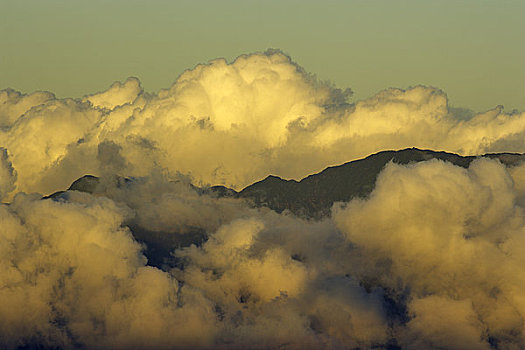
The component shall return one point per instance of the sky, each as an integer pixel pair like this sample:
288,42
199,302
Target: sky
473,50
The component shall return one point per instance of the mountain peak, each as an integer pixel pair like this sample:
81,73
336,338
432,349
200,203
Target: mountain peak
314,195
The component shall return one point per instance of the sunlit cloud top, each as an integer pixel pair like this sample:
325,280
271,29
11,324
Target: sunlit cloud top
233,124
472,49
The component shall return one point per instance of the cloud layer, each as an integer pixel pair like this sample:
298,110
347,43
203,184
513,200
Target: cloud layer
233,124
454,238
432,259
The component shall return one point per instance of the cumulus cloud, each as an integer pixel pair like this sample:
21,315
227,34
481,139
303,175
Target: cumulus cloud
260,280
7,174
72,275
118,94
453,238
233,124
275,292
39,140
432,259
444,323
14,104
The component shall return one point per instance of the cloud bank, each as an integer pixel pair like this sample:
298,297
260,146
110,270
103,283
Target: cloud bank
233,124
432,259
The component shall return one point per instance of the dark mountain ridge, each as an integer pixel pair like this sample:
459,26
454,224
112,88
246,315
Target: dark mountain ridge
313,196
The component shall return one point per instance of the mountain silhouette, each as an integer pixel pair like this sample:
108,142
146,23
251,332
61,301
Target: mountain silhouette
313,196
310,198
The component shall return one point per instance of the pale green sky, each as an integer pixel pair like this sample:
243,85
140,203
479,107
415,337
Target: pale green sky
473,50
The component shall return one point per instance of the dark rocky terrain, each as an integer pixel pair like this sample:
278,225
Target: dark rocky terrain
313,196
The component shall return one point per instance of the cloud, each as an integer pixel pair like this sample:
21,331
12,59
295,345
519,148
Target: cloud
241,128
80,279
117,95
233,124
444,323
433,258
270,276
14,104
72,275
451,237
274,293
7,174
39,140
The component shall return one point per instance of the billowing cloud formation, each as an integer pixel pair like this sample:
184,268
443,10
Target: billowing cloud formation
13,104
432,259
7,174
261,280
117,95
233,124
455,239
71,276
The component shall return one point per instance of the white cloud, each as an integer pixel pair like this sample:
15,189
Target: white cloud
454,238
234,123
72,275
117,95
7,174
432,259
14,104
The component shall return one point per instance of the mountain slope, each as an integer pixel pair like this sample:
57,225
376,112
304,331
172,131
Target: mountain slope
313,196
